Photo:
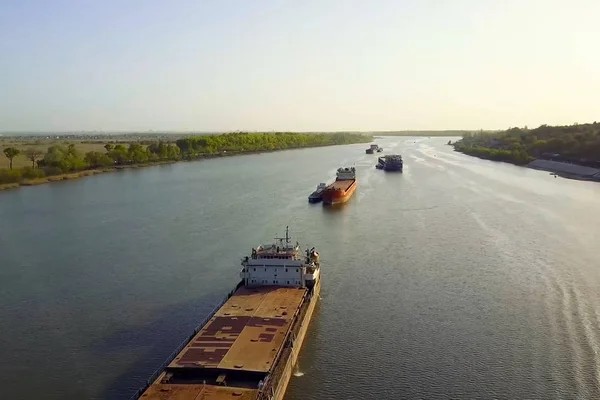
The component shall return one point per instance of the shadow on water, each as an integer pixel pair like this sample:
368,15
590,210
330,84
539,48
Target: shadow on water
393,175
334,208
155,341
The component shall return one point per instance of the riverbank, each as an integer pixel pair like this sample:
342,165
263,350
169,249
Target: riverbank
566,170
76,175
516,157
562,169
577,144
199,157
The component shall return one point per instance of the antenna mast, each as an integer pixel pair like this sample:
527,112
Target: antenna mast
286,238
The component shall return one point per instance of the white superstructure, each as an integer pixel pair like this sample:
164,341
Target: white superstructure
281,264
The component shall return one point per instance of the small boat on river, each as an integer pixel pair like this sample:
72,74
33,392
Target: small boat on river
317,195
374,148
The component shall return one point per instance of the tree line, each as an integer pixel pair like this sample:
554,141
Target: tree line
192,147
68,159
577,143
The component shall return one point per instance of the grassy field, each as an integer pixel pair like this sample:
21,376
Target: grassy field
42,145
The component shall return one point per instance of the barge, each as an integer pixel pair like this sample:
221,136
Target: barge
248,347
342,188
374,148
391,162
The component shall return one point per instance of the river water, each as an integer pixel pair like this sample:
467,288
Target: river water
460,278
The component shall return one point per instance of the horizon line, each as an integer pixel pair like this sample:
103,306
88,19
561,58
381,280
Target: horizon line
229,131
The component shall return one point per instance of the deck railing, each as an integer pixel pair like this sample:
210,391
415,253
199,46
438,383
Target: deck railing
268,391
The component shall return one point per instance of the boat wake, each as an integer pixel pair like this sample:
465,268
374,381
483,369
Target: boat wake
297,371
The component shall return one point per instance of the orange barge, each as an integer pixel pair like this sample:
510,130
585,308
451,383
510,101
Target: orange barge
342,188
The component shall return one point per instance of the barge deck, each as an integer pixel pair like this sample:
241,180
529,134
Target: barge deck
233,353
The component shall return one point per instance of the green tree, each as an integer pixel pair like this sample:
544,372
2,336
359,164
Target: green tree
67,159
54,155
72,163
170,152
137,153
33,155
108,147
154,147
119,154
247,142
10,153
579,144
72,150
95,159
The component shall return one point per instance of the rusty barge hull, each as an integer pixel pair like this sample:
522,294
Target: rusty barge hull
339,192
246,350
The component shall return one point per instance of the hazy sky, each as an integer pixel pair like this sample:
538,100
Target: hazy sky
297,65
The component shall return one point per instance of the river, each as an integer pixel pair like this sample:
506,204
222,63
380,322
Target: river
460,278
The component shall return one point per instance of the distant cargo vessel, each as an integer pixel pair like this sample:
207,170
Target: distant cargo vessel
390,163
393,163
247,348
317,195
374,148
342,188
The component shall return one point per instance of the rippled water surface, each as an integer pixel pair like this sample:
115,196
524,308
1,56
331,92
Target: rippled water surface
460,278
